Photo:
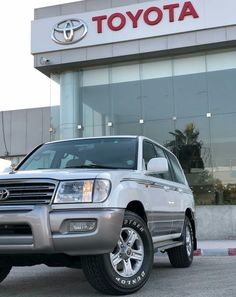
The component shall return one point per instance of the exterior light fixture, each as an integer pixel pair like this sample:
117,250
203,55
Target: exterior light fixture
174,118
109,124
79,127
141,121
208,115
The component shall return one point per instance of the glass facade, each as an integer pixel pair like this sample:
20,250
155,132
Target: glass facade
187,103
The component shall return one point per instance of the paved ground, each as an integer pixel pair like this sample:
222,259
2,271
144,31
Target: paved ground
207,277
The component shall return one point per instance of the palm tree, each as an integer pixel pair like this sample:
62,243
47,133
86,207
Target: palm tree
187,147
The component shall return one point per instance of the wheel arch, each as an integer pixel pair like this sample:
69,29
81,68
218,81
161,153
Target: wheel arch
138,208
190,214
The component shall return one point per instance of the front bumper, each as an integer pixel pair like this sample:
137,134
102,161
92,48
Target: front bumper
49,234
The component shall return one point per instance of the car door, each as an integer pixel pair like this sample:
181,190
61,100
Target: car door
160,217
181,194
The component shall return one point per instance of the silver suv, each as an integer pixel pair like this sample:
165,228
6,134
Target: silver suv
102,204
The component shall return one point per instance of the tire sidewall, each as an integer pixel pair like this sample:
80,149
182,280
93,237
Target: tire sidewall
139,279
189,225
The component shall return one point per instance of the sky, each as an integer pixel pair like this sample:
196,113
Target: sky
21,86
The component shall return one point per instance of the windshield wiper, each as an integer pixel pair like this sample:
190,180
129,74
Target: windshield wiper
96,166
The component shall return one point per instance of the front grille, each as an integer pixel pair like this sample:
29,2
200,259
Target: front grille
28,192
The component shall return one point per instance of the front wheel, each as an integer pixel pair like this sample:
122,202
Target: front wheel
4,271
182,256
128,267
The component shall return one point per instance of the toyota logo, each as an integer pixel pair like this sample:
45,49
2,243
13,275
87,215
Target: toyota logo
69,31
4,194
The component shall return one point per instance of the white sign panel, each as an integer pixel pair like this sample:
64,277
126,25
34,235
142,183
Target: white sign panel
138,21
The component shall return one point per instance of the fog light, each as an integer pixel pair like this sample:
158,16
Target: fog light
82,226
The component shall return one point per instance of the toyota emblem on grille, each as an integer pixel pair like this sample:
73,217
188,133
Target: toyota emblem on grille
69,31
4,194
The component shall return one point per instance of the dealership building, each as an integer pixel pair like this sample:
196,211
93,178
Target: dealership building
165,69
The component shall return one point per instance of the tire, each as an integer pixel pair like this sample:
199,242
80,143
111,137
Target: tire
182,256
128,267
4,271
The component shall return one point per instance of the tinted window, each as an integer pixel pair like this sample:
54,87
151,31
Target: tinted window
117,153
153,151
178,174
160,153
148,152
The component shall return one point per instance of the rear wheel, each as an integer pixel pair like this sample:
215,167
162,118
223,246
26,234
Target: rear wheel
128,267
4,271
182,256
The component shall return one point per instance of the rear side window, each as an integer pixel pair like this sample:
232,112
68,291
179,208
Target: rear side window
178,173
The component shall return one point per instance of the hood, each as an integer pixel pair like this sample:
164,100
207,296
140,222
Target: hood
56,174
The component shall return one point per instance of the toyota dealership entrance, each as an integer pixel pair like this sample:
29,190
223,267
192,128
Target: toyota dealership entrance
165,69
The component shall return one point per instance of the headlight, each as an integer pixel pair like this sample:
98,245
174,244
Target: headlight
74,191
82,191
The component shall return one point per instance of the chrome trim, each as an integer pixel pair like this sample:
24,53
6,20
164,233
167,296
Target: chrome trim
159,185
29,191
67,28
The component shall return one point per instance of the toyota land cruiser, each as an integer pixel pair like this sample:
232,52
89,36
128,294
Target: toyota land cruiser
101,204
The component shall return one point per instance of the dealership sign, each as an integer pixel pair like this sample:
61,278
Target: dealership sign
133,22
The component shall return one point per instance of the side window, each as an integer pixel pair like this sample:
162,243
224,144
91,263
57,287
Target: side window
179,177
148,152
160,153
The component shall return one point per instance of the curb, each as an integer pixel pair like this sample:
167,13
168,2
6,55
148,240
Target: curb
215,252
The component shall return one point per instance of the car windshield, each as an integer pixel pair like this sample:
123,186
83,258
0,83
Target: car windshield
111,153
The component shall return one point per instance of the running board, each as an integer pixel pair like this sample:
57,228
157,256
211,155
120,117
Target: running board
165,245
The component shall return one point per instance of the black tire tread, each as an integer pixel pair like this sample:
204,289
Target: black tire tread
178,256
94,272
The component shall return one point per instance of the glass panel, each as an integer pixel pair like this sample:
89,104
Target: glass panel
96,105
158,101
85,153
222,91
148,152
191,144
160,153
156,69
189,65
190,93
221,60
224,158
159,130
177,170
126,102
95,77
125,72
126,129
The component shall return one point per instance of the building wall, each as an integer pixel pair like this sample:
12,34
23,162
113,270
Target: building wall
69,67
221,37
216,222
22,130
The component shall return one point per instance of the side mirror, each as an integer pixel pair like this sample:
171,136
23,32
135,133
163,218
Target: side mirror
158,165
